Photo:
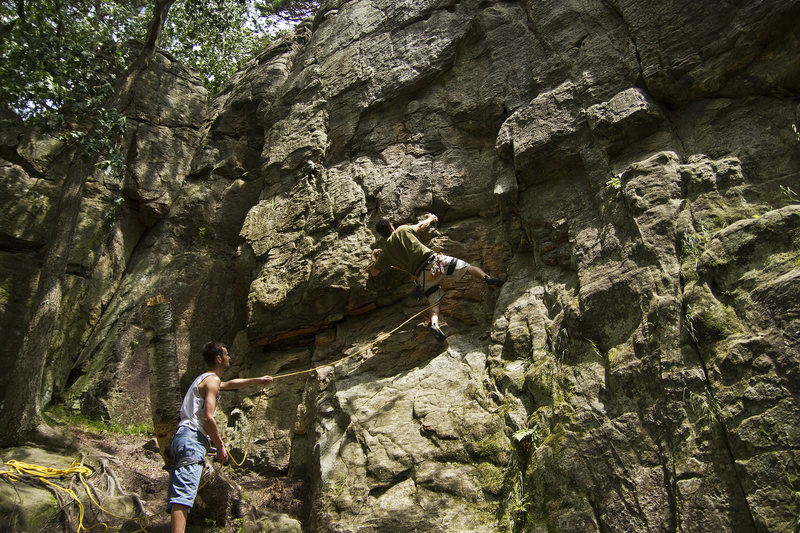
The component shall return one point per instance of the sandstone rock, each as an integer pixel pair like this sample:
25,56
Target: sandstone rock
26,506
629,169
716,50
278,523
628,115
545,135
160,150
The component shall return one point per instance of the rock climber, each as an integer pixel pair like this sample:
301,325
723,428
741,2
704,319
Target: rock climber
197,426
404,251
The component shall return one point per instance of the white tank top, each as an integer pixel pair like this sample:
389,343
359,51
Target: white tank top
192,406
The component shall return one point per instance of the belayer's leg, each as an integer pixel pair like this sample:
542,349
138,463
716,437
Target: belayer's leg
178,517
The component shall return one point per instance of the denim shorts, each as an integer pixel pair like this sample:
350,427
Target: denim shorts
188,449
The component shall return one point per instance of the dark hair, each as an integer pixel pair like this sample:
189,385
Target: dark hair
384,227
211,350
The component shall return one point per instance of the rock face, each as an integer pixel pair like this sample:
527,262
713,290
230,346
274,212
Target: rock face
630,169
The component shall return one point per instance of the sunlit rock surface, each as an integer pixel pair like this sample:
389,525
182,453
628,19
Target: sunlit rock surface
630,169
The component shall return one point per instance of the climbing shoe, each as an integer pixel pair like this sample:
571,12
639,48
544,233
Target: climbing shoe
438,333
497,282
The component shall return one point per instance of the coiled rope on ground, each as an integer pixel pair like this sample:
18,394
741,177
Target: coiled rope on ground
20,471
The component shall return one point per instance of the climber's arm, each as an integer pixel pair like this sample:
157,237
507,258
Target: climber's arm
429,219
373,257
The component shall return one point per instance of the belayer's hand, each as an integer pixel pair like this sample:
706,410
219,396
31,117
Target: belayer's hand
265,379
222,454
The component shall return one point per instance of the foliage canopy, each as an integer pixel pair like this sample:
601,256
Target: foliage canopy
59,62
290,10
60,59
215,37
68,67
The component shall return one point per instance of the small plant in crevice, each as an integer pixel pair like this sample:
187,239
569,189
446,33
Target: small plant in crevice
694,243
112,215
527,358
690,315
789,196
703,405
338,486
555,345
532,435
594,348
614,184
201,231
522,434
518,501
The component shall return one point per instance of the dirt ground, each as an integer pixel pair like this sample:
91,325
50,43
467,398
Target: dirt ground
137,466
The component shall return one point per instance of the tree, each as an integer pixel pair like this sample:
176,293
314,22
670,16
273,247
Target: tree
67,68
59,64
215,37
287,10
22,402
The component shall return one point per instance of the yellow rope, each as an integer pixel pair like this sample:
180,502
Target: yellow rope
280,376
376,341
44,472
252,428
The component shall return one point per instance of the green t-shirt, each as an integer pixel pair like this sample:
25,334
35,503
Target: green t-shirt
403,251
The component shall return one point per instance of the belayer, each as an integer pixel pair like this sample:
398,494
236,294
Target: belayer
404,251
197,426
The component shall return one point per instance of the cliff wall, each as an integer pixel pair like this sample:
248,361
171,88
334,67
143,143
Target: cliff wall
630,169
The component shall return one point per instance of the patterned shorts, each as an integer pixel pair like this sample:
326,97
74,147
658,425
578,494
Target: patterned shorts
430,277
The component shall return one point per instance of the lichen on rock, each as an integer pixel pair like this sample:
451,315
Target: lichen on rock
630,170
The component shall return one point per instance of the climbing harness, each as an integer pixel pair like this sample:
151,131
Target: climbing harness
42,473
437,267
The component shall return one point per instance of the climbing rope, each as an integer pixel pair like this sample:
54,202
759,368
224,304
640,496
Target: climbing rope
43,473
314,369
376,341
19,470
